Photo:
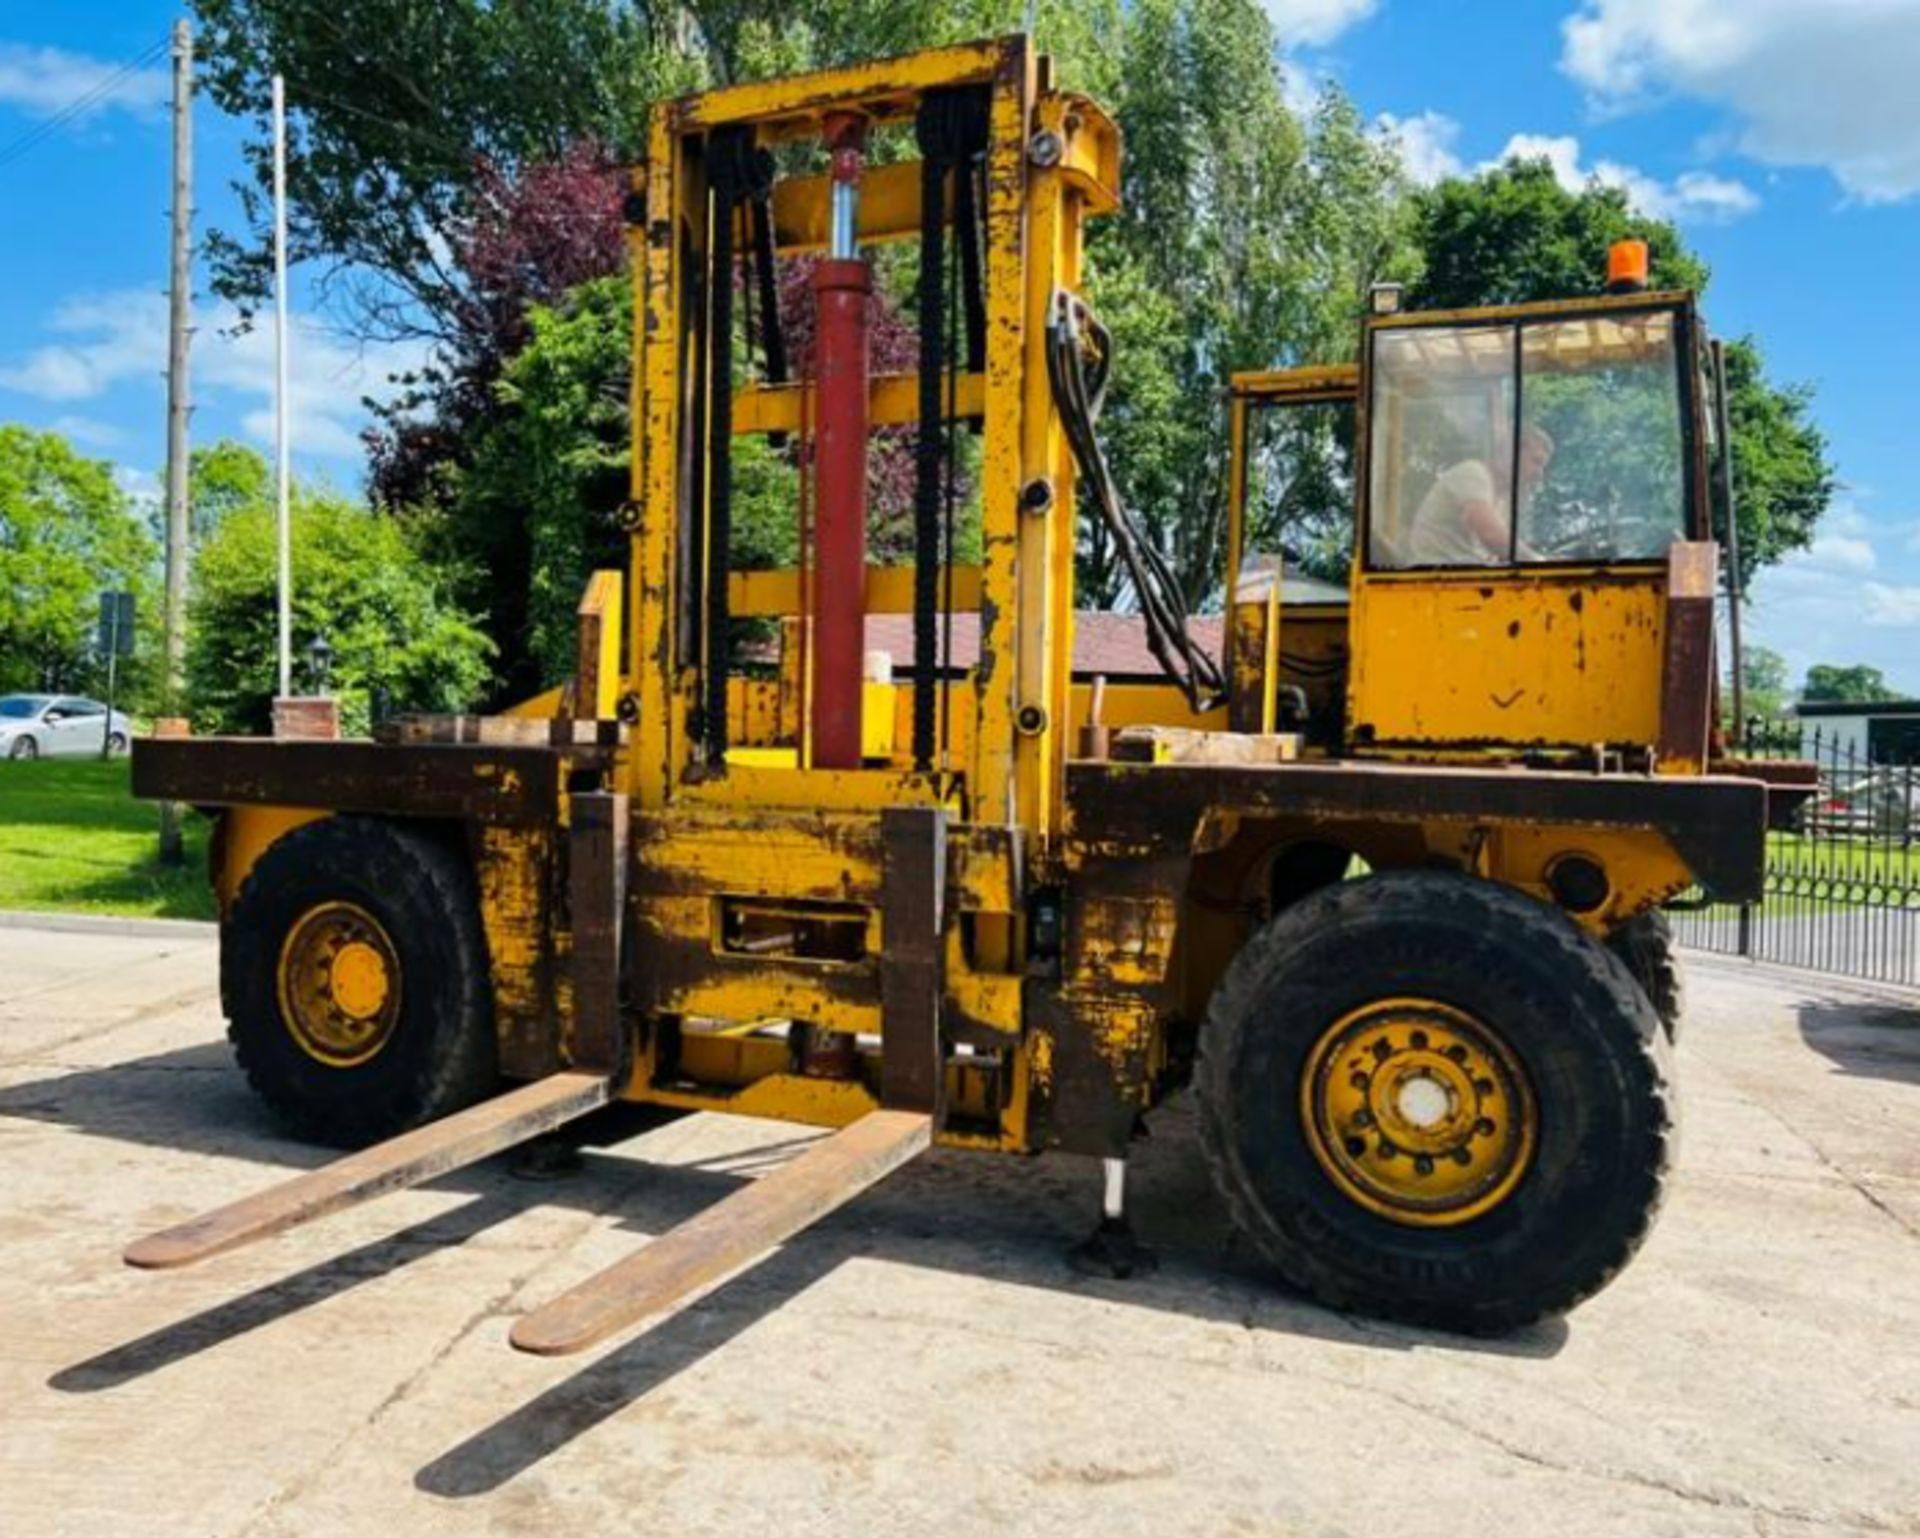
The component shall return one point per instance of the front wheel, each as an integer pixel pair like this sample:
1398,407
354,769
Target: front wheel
353,967
24,748
1432,1098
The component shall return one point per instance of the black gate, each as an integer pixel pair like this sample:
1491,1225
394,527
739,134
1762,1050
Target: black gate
1843,884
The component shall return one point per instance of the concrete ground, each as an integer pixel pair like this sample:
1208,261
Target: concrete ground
924,1362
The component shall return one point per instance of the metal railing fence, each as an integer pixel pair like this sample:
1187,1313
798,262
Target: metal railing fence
1843,883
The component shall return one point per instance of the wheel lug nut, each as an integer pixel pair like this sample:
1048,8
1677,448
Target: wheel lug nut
1387,1150
1419,1039
1356,1146
1457,1052
1363,1117
1484,1126
1423,1165
1483,1086
1461,1156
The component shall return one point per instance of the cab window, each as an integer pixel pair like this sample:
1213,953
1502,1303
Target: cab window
1298,487
1542,441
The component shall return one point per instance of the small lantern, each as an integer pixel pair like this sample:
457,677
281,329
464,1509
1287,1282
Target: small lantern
1386,298
319,663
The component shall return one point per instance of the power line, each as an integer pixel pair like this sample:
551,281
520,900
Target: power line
41,132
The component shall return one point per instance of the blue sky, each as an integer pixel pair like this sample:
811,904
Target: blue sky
1784,135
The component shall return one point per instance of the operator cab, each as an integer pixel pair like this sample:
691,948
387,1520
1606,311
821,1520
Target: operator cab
1516,498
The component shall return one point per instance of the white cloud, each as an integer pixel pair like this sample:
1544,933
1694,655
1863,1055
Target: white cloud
142,487
112,338
1425,144
88,432
43,82
1695,195
1808,82
1851,597
1314,23
1839,554
1892,607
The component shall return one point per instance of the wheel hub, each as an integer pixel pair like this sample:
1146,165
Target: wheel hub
339,984
1419,1112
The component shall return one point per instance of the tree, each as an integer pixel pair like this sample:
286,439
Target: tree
67,534
1856,685
1512,234
1248,240
224,478
397,110
1763,680
551,467
358,581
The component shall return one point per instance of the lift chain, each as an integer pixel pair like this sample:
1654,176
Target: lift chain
952,133
738,172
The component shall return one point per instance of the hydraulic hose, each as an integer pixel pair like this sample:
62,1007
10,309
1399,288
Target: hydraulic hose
1079,366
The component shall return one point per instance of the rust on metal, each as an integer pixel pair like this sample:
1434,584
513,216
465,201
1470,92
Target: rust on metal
516,786
732,1233
449,1144
1714,824
597,893
913,924
1686,662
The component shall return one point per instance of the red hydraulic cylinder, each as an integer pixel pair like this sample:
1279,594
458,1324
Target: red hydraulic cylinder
843,288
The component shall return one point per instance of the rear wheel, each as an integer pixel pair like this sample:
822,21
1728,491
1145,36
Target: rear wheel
354,973
1432,1098
1645,945
116,745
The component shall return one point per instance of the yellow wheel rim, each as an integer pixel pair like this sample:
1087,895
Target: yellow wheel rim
339,982
1419,1112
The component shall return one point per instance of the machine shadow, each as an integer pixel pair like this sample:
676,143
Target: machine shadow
1874,1040
1008,1221
970,1215
277,1300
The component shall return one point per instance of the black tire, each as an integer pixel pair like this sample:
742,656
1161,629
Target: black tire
24,749
116,745
441,1054
1585,1036
1646,945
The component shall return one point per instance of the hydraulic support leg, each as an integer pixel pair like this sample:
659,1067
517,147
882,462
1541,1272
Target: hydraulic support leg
1111,1250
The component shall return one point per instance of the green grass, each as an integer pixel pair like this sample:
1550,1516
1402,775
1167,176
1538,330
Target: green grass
73,839
1879,857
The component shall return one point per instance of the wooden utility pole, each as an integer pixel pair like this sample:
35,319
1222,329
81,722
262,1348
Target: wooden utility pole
179,332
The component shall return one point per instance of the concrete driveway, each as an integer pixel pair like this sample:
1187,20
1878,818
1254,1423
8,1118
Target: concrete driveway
924,1362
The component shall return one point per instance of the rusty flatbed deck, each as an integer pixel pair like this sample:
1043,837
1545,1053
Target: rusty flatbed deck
1713,821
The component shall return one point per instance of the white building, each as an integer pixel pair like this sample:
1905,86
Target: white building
1887,731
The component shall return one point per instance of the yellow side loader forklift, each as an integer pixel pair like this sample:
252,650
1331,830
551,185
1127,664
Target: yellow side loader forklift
1377,884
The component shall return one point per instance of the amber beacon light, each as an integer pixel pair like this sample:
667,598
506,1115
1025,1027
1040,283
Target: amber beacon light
1627,267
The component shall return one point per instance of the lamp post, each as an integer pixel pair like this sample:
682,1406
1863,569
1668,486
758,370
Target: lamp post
319,664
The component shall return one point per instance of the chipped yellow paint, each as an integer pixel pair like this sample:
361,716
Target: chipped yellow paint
1505,661
510,867
1128,940
1643,869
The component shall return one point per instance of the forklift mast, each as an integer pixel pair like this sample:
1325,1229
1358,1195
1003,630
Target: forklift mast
1008,171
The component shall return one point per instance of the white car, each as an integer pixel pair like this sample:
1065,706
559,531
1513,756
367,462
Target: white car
59,726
